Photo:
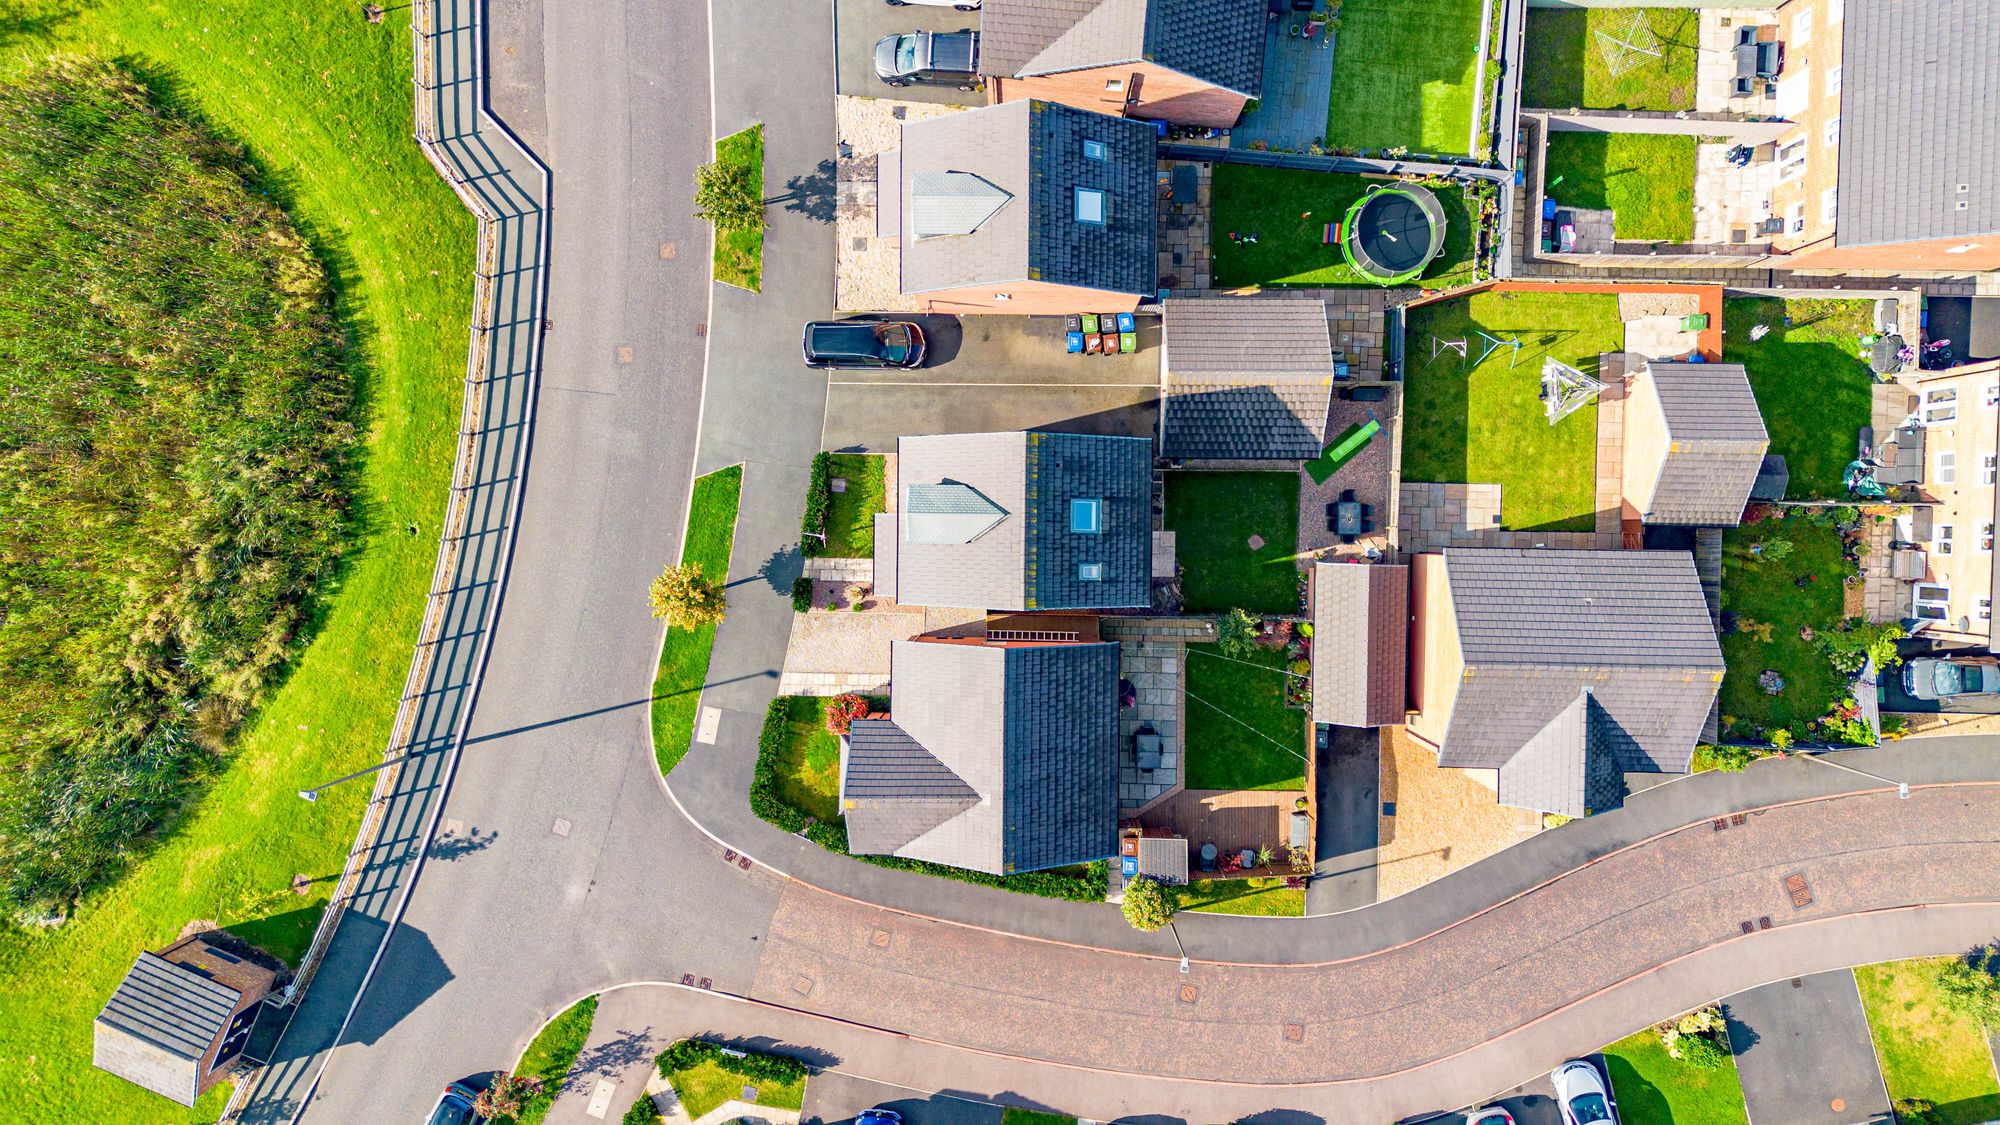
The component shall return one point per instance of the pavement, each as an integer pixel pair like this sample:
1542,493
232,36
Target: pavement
858,24
1804,1054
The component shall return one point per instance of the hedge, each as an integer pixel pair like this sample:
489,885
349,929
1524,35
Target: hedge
756,1067
1087,887
819,496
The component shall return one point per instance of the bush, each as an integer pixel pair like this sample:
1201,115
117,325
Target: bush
1728,759
1850,646
842,710
1696,1038
802,594
1149,903
687,599
1970,986
819,497
754,1065
1703,1052
503,1098
727,195
643,1112
1917,1111
1236,634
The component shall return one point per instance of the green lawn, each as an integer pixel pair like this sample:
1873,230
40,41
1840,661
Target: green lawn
739,254
1465,421
808,773
1654,1088
1269,897
1566,63
1767,601
1403,75
850,515
1287,211
1013,1116
709,1083
1926,1050
711,530
321,102
1213,517
1240,734
1812,389
1646,181
549,1057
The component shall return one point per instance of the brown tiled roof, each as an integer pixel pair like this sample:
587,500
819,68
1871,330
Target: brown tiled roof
1361,628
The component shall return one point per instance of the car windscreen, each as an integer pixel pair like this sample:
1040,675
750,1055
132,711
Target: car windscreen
451,1111
1585,1108
893,342
1949,678
845,340
906,54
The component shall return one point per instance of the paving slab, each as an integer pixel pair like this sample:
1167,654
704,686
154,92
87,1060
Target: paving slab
1803,1052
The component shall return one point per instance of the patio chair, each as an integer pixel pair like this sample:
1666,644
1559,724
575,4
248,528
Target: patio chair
1346,495
1367,512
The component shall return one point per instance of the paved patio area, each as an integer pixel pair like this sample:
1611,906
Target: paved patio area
1184,225
1442,819
1154,667
1715,61
1366,473
1730,202
1298,81
1431,517
832,651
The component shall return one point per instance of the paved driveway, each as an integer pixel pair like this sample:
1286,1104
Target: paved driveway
1349,805
992,373
857,24
1803,1052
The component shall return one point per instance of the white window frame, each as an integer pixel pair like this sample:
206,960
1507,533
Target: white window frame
1830,133
1102,199
1939,603
1829,204
1114,85
1944,470
1802,28
1942,538
1989,469
1992,394
1833,80
1791,160
1986,609
1795,218
1986,537
1090,572
1940,406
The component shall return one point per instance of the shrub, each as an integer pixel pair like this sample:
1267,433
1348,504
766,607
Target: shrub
1703,1052
1917,1111
802,594
819,497
1850,646
1149,903
643,1112
754,1065
1696,1038
842,710
1970,985
686,599
503,1098
1728,758
1236,634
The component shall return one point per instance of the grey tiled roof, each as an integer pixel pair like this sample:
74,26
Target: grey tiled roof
1024,741
1361,629
1220,42
1119,255
1571,766
168,1017
1246,378
1928,69
952,203
1716,443
991,143
1537,625
1247,335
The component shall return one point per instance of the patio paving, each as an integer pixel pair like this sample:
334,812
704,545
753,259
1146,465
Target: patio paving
1298,82
1154,667
1366,473
1183,245
1233,820
832,651
1715,60
1730,202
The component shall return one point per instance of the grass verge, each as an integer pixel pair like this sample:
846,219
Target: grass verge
1287,211
1767,608
1567,65
1240,734
1654,1088
711,530
1646,181
1927,1050
320,101
1013,1116
1483,422
549,1058
1268,897
850,515
706,1078
1403,75
1213,517
739,254
1811,386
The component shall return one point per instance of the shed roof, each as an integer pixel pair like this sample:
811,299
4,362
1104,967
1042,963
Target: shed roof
162,1020
1716,443
1220,42
1361,629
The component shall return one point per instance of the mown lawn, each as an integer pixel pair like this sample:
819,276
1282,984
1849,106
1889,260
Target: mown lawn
1927,1050
1287,210
707,1084
1240,734
711,531
1014,1116
809,762
1646,181
1567,65
1404,75
1213,517
739,254
1654,1088
1812,387
321,102
1264,897
850,515
549,1058
1769,607
1480,422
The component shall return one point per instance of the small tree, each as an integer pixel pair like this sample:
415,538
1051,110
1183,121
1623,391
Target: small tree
1695,1038
1917,1111
725,195
1149,903
684,598
1236,634
503,1098
1969,986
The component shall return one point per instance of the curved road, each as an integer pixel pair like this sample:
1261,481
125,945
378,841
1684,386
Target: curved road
569,871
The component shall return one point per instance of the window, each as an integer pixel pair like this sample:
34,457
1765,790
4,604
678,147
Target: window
1792,160
1114,85
1093,150
1986,609
1832,133
1947,467
1989,469
1090,572
1829,203
1941,539
1833,80
1796,218
1933,603
1993,394
1802,28
1090,206
1940,405
1083,516
1986,538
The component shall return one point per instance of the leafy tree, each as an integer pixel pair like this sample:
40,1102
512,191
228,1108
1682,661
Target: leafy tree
1970,985
1917,1111
1236,634
503,1098
1149,903
726,195
685,599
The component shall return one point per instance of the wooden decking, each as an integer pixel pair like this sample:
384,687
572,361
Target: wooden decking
1231,819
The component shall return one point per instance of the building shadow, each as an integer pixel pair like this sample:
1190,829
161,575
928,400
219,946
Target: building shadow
410,973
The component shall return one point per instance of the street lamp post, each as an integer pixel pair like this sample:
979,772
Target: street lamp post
1902,787
1179,946
310,795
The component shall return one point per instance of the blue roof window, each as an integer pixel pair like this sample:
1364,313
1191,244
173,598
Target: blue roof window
1090,206
1095,150
1084,516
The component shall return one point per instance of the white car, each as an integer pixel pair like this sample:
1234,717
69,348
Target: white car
961,5
1582,1094
1930,678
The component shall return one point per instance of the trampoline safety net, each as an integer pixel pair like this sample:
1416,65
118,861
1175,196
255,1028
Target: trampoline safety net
1392,233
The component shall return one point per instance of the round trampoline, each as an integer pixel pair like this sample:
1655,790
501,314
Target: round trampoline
1392,233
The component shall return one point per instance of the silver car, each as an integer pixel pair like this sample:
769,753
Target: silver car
1928,677
1582,1094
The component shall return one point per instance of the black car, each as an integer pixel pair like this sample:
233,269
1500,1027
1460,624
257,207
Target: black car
864,343
949,58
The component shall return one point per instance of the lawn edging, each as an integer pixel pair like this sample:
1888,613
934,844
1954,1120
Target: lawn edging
684,653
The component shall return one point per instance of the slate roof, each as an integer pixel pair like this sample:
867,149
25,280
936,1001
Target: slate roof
1247,379
1570,766
1536,626
1929,69
1119,256
1361,630
1716,443
1029,558
168,1016
1220,42
995,758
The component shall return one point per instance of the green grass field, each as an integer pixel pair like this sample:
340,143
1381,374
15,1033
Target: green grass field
809,764
321,102
1287,211
1240,734
850,515
739,254
1213,517
1927,1050
549,1058
1770,606
1811,386
1263,897
711,531
1654,1088
1647,182
1403,75
1484,422
1568,64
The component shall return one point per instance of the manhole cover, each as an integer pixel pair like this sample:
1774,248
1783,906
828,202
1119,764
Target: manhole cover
1187,994
626,354
1795,886
1295,1033
667,251
1837,1104
881,939
803,986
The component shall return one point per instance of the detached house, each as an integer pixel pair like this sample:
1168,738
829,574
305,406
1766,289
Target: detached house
1190,61
1019,521
1550,674
1245,379
180,1018
1029,207
1694,443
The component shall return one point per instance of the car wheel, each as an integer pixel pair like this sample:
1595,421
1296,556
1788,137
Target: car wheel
895,85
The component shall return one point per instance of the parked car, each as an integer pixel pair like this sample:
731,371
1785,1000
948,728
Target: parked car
454,1106
961,5
947,58
1928,677
878,1115
1582,1094
864,343
1487,1115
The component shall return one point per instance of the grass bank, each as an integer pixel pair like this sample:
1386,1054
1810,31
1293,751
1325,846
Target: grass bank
1812,387
850,512
704,1077
1215,517
320,101
1654,1088
739,254
1927,1050
1646,181
549,1058
1569,52
1403,75
711,531
1240,734
1286,211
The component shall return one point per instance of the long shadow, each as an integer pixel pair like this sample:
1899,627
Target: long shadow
510,732
811,195
449,847
411,973
280,933
610,1057
815,1057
